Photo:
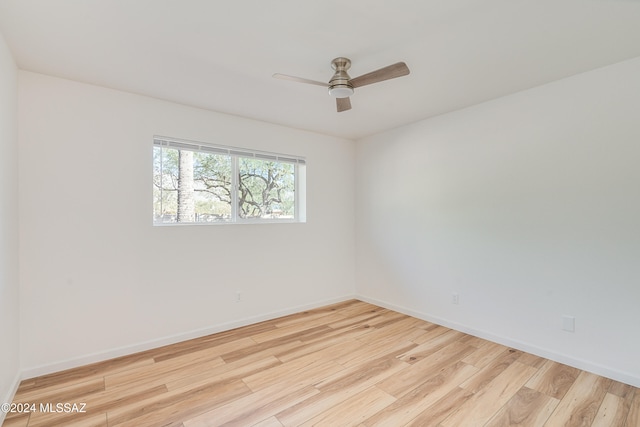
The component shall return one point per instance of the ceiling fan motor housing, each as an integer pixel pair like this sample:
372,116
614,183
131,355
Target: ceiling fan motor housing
339,85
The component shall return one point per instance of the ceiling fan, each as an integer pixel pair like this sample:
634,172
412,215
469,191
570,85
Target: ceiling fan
341,85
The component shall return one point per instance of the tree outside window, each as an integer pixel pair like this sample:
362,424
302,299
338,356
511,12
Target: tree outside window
198,187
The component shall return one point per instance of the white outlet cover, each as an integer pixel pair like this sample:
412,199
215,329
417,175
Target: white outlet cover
568,323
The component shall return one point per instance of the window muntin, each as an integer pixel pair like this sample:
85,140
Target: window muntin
196,183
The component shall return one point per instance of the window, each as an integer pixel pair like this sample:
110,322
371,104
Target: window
201,183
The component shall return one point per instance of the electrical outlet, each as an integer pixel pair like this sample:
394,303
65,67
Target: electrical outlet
238,296
568,323
455,298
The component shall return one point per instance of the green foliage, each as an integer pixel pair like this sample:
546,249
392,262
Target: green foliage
165,183
265,188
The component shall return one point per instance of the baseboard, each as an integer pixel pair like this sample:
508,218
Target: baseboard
585,365
148,345
9,397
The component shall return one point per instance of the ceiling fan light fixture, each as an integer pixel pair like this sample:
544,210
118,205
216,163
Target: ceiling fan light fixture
341,85
341,91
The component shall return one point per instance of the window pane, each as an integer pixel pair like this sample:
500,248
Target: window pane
165,184
190,186
212,187
266,189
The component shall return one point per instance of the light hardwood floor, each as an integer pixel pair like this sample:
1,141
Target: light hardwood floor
349,364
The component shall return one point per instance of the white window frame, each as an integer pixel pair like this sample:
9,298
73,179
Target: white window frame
236,153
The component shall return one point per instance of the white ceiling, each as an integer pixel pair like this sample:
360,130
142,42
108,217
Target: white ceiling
220,55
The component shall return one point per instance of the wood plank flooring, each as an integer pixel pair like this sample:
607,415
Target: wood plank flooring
349,364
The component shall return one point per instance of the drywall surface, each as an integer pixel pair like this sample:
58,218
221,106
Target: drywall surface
9,282
99,280
527,207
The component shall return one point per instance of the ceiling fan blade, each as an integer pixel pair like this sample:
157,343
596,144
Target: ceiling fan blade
390,72
299,79
343,104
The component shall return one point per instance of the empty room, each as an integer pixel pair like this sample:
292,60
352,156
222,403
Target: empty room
319,213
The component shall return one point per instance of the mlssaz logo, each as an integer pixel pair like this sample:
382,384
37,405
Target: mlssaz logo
63,407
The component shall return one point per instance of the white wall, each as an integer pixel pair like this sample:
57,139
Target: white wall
9,283
528,206
99,280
